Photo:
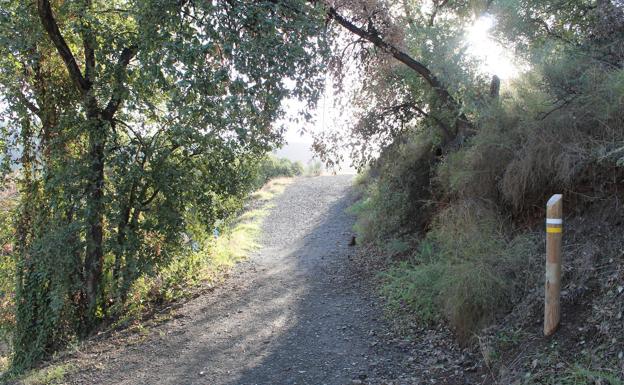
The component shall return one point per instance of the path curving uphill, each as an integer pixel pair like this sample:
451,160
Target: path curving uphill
293,314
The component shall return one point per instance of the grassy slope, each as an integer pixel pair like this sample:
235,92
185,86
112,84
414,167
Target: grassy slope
588,348
469,273
467,229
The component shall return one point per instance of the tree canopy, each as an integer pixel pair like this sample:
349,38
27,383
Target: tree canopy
133,119
138,125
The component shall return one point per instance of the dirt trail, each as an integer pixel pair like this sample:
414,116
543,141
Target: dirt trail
293,314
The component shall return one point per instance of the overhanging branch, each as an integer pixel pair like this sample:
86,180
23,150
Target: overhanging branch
424,72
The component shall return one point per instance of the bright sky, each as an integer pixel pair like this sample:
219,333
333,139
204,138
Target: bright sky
496,60
326,117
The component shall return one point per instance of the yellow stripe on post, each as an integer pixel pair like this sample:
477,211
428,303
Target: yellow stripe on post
554,229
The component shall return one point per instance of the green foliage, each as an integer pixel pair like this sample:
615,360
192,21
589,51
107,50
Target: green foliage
137,125
272,167
465,271
8,202
415,289
558,127
313,168
205,259
5,155
397,246
374,220
52,375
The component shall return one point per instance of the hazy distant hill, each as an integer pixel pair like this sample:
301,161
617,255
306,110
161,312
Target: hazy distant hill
301,151
296,151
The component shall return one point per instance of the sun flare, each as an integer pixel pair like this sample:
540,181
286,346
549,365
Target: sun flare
495,59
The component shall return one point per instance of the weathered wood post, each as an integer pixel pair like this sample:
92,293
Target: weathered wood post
554,233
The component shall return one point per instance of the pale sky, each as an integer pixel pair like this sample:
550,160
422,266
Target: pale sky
326,117
495,59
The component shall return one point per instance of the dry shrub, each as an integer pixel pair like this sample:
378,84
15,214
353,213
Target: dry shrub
561,144
395,201
560,129
552,157
528,146
475,170
548,161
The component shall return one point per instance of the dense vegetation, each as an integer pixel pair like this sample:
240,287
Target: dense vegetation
137,126
459,166
272,167
204,260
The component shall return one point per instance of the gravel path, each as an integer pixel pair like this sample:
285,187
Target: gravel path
293,314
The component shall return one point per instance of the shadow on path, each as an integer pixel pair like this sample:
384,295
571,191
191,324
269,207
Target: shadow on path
293,314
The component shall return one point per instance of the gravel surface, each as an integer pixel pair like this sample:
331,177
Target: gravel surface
295,313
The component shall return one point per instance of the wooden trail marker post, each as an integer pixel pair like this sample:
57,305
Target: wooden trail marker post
554,233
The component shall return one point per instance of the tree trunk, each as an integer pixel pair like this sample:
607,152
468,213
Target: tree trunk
94,258
120,252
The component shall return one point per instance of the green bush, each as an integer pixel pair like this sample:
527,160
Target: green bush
204,258
396,191
314,168
8,198
272,167
466,270
557,128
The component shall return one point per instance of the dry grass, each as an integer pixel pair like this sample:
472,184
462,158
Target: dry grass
532,144
475,170
270,189
52,375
